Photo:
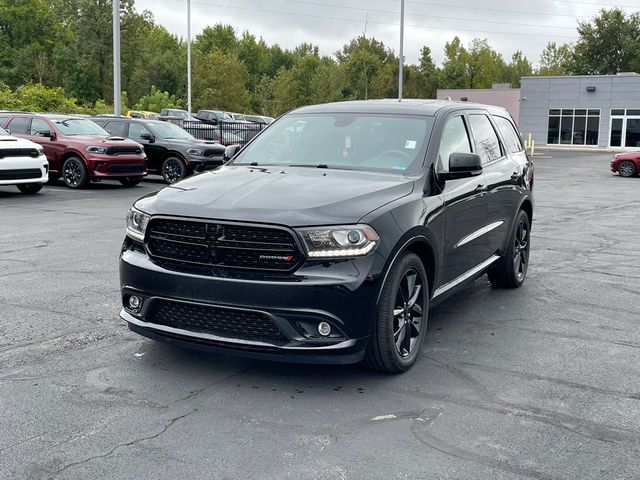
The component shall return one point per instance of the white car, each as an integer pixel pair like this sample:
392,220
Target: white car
22,163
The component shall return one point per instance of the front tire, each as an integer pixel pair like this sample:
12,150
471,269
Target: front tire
130,181
627,169
29,188
74,173
512,271
173,170
401,324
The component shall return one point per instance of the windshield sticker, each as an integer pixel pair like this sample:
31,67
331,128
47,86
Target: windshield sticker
410,144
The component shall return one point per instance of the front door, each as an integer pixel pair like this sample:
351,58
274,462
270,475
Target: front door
465,206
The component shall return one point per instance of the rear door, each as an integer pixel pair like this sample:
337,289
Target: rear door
504,178
465,207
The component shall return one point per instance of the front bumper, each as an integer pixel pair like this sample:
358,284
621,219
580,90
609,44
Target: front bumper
116,166
342,294
23,170
200,164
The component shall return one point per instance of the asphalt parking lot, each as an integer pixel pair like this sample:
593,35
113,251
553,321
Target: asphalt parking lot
542,382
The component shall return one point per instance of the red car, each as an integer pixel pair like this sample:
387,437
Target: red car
626,164
78,150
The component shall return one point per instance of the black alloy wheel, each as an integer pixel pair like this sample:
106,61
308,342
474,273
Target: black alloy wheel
401,324
521,250
407,313
627,169
74,173
173,170
511,271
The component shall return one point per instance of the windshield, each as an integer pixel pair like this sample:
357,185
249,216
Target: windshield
344,141
169,131
79,126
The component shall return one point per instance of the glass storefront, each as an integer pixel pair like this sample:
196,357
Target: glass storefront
625,128
569,126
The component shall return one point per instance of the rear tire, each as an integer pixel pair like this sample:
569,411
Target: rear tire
29,188
401,324
173,170
74,173
130,181
627,169
512,271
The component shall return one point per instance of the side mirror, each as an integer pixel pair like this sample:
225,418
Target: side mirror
46,133
462,165
231,152
148,137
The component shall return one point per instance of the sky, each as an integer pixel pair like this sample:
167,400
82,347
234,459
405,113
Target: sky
508,26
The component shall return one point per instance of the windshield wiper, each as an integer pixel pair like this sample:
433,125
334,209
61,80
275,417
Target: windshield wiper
306,165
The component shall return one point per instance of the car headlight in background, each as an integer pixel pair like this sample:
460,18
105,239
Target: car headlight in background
101,150
195,152
41,152
339,242
137,222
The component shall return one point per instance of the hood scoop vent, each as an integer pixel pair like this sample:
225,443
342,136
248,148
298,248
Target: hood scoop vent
116,139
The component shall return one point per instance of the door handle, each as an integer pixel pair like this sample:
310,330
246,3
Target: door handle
481,188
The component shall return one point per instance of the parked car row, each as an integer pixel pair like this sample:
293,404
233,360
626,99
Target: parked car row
80,150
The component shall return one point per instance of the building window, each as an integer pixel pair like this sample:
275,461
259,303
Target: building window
573,126
625,128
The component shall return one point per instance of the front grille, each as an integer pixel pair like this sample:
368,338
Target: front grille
223,322
125,168
124,150
19,152
22,174
185,244
213,153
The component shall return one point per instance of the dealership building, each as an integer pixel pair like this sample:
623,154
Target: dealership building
594,110
571,111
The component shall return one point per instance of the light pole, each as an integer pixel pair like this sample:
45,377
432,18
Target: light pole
117,94
189,56
401,73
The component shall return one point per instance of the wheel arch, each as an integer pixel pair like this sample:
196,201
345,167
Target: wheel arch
527,206
174,153
421,244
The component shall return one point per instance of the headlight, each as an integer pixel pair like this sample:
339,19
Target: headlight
195,152
339,242
101,150
137,222
41,152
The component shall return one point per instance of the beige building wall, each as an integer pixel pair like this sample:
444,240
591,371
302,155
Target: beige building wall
499,95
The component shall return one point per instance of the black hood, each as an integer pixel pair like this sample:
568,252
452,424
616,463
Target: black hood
287,195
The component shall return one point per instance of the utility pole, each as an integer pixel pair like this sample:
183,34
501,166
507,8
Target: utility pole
401,73
189,56
117,89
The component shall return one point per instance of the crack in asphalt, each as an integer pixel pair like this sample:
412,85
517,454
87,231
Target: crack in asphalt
171,422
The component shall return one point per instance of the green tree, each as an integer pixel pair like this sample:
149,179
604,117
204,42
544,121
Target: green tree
156,100
454,72
555,59
220,82
219,37
519,67
608,44
368,67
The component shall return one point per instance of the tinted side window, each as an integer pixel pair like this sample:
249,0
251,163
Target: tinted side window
118,129
19,125
487,143
38,126
512,140
136,130
455,139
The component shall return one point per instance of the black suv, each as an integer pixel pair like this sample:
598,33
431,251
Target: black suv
171,151
328,237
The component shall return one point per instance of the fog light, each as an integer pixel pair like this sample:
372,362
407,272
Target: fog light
324,329
134,302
